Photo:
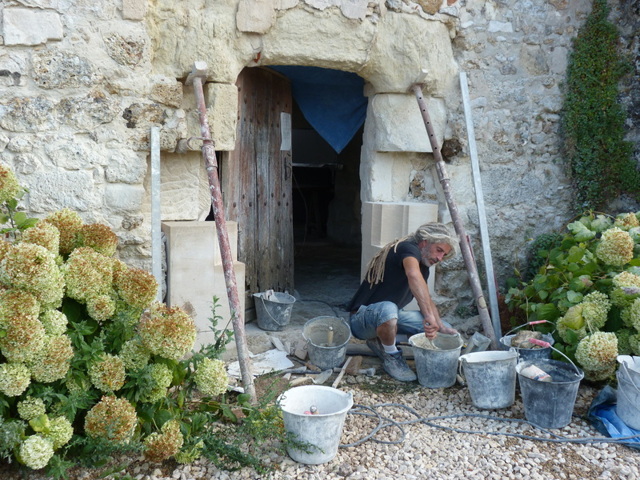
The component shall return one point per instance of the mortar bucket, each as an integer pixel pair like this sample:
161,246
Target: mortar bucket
436,367
319,433
550,404
491,378
628,402
529,353
274,310
327,339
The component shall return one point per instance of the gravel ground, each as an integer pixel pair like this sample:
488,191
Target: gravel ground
428,451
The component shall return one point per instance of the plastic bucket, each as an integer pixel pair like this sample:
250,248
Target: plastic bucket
273,313
436,368
491,378
529,353
628,402
321,431
550,404
327,339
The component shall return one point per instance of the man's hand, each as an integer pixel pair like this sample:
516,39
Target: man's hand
448,330
431,328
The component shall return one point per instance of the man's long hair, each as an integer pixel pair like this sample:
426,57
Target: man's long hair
431,232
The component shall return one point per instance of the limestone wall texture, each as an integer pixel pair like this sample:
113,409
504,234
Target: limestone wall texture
81,83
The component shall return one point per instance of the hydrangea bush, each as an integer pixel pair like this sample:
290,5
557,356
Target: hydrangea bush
588,288
90,363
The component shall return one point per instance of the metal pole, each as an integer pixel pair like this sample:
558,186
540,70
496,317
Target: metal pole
453,209
156,234
209,154
482,215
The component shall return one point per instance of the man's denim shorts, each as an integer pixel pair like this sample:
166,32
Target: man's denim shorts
368,318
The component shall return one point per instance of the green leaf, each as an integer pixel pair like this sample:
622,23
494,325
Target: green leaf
543,294
40,423
575,254
548,311
580,231
572,337
574,297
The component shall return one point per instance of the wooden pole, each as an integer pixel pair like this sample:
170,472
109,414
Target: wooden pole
209,154
472,270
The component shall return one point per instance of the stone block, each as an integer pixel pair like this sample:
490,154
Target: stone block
134,9
398,123
167,91
30,26
222,112
195,273
255,16
383,222
120,197
54,190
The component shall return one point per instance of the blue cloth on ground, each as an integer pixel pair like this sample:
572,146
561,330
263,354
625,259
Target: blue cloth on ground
602,415
332,101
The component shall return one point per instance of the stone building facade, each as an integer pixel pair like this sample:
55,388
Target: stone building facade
82,82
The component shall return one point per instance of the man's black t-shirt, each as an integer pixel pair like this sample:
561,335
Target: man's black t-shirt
394,286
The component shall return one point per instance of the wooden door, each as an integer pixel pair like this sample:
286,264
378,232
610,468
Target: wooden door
256,181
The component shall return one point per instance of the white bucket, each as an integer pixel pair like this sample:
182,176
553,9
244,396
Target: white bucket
436,367
491,377
321,430
628,402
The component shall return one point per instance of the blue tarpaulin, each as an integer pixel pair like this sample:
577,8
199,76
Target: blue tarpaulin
602,415
332,101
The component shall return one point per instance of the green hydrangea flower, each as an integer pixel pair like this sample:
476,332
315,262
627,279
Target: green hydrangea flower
36,451
136,287
597,354
17,303
24,338
161,446
44,234
52,362
55,322
9,186
14,379
626,288
68,224
211,377
30,408
101,307
624,341
107,374
33,268
595,308
160,379
634,344
134,354
60,432
113,419
625,221
167,331
98,237
88,274
615,247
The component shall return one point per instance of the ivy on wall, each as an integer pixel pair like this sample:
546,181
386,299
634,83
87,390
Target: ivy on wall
600,160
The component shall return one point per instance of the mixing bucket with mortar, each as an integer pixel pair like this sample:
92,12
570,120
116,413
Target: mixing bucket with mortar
327,339
437,359
491,377
536,351
273,309
314,416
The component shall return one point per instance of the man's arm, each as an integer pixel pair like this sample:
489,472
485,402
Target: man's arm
420,291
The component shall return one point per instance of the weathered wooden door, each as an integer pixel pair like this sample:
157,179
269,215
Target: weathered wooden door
256,180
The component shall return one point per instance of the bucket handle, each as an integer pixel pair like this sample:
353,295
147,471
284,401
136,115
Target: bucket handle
535,322
269,313
544,344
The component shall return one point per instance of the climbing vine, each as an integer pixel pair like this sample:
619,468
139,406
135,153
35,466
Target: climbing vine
600,160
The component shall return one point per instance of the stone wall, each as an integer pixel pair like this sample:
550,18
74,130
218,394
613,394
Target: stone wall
82,81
